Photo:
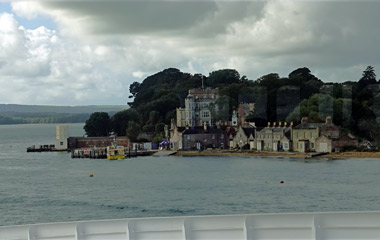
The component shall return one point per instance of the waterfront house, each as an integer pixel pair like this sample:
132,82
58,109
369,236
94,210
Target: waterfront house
304,135
274,138
331,144
200,138
243,136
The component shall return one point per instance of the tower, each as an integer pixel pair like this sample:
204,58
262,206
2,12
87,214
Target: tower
62,133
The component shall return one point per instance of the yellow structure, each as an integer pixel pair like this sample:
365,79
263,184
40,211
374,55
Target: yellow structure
304,136
115,152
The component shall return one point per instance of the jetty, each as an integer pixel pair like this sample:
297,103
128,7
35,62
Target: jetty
44,148
101,153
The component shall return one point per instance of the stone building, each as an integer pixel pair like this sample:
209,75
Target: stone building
331,144
196,111
86,142
200,138
274,138
304,135
243,136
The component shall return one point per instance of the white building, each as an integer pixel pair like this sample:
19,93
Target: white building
62,133
196,111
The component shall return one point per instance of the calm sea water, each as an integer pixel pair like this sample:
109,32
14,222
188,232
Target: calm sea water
52,187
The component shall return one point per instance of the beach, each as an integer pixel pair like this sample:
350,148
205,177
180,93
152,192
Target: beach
334,155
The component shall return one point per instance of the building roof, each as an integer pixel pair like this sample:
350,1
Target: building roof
308,125
249,131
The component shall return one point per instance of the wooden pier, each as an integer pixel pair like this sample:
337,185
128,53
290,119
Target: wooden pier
101,153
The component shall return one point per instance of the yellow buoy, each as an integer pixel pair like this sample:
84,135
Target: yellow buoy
91,175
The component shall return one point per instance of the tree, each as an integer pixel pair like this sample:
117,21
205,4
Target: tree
223,77
98,125
119,121
134,88
368,77
133,130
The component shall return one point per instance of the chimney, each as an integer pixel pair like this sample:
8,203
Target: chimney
268,124
274,124
328,119
279,124
304,120
291,124
285,124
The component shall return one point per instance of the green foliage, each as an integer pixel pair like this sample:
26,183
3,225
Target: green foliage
119,121
223,77
98,125
158,138
133,130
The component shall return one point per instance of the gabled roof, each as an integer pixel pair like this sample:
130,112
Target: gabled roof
249,131
308,125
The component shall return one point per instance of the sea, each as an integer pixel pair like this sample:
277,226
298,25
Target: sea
53,187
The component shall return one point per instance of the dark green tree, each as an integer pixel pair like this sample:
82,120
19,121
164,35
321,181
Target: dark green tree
134,88
368,77
98,125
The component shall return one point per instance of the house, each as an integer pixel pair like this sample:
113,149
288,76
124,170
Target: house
274,138
196,111
331,144
304,135
243,136
200,138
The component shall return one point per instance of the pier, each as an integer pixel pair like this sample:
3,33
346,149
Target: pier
101,153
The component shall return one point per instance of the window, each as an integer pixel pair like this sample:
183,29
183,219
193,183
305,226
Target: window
222,136
298,135
312,135
312,145
213,136
205,114
286,145
188,137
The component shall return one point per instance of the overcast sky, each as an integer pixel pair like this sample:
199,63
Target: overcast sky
88,52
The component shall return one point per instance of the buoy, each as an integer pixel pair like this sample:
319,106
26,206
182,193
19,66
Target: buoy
91,175
282,182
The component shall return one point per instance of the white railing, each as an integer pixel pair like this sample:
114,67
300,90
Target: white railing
316,226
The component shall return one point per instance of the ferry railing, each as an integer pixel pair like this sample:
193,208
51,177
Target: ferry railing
316,226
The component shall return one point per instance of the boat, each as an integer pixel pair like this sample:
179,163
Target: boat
115,152
332,225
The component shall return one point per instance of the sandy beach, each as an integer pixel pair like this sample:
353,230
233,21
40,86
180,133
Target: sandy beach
280,154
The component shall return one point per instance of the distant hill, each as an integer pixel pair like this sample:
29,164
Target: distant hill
24,114
60,109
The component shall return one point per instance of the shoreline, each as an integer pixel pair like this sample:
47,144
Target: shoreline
339,155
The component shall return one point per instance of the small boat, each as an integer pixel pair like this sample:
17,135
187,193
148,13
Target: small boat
115,152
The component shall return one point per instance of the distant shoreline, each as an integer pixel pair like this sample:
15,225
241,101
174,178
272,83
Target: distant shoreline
281,154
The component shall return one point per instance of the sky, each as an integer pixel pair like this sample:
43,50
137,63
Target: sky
88,52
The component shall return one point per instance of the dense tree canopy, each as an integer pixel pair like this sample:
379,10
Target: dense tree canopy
98,125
